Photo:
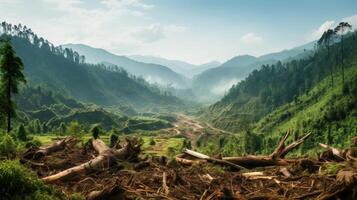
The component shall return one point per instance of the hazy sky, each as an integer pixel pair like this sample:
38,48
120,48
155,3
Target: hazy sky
196,31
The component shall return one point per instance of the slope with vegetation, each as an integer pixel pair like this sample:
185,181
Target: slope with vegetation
212,84
307,95
153,73
66,71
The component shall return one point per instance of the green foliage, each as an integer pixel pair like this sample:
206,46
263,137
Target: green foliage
8,146
152,141
147,123
33,143
113,139
18,182
75,129
331,168
65,70
96,131
21,133
11,76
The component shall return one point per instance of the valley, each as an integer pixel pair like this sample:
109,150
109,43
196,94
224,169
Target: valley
111,111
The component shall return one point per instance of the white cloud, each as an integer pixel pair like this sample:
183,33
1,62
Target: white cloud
251,38
223,86
121,26
319,31
331,24
351,20
151,33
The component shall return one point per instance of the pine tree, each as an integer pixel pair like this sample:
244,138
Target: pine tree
11,68
21,133
96,131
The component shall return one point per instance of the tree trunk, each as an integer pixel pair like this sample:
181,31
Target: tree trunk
9,106
105,159
276,158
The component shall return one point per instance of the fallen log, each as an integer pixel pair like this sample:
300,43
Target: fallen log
339,155
274,159
54,147
105,159
256,161
212,160
113,192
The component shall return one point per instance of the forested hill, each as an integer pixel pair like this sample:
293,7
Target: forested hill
306,94
64,70
153,73
212,84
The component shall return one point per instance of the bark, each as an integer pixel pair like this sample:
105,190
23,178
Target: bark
57,146
256,161
274,159
114,192
212,160
104,160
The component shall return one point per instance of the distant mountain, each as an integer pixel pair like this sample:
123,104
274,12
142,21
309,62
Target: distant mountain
151,72
184,68
212,84
64,71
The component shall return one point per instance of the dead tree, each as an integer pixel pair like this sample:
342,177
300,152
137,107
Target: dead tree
338,155
276,158
37,153
105,159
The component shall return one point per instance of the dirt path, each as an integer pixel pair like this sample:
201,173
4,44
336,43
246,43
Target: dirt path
188,127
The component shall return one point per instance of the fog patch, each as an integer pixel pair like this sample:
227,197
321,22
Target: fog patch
155,80
223,86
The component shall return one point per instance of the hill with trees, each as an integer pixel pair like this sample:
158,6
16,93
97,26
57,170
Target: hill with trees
66,71
153,73
316,93
212,84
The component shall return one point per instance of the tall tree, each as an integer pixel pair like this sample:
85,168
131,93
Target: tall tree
342,29
11,75
325,42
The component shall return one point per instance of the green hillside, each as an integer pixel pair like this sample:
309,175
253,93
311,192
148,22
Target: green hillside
66,71
153,73
299,95
212,84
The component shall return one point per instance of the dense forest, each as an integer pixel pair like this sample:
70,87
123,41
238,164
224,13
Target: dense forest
317,94
65,70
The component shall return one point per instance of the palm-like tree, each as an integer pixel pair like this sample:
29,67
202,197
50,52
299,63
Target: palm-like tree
342,29
325,42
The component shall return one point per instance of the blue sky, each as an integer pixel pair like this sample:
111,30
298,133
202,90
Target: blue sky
196,31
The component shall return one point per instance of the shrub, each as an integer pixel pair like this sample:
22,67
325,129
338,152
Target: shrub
152,141
96,131
33,143
17,182
7,146
21,133
113,139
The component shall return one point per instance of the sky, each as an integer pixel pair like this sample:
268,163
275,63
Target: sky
195,31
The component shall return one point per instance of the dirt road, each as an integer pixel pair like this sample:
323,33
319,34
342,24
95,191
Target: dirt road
188,127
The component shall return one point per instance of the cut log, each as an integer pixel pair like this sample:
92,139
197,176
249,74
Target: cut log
281,150
184,161
335,151
56,146
212,160
114,192
105,159
165,188
274,159
285,172
256,161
